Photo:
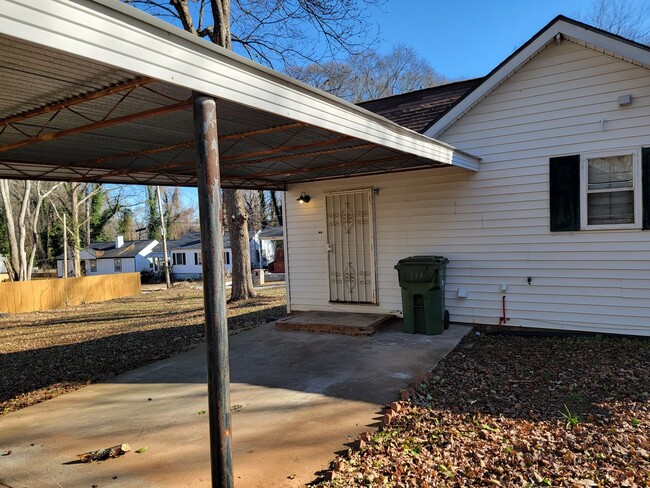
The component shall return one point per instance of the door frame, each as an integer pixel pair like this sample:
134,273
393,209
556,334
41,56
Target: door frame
373,244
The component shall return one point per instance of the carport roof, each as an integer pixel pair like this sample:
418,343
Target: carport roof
99,91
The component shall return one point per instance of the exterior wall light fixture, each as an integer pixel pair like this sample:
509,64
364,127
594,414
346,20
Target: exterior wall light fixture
303,198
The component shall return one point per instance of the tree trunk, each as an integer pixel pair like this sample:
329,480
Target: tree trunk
237,223
88,231
75,229
14,260
22,231
17,240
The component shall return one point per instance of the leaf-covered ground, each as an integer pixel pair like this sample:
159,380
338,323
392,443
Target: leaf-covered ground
45,354
517,411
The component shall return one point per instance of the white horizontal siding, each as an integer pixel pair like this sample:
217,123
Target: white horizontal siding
107,266
189,269
494,225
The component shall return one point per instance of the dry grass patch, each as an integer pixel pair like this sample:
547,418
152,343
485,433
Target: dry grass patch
45,354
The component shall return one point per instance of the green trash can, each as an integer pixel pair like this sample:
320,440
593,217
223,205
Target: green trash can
422,280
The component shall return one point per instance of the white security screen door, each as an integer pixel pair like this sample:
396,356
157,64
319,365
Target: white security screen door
350,246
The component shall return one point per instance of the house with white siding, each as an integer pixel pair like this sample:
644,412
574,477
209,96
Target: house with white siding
113,257
184,255
263,245
551,232
3,269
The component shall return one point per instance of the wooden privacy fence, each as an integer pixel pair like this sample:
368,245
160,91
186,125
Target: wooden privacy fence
31,296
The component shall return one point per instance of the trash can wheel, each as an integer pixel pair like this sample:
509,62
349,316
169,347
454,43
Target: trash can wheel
446,323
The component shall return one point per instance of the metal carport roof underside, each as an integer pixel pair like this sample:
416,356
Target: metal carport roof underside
97,91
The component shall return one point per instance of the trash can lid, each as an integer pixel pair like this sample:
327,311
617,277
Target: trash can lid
423,261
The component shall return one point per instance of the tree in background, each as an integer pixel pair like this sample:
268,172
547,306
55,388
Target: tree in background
370,75
152,216
179,218
276,205
275,33
21,203
72,201
264,208
102,207
126,224
621,17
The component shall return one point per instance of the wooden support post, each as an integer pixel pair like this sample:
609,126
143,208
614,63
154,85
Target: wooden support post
214,291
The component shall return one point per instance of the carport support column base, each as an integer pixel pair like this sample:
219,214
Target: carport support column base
214,291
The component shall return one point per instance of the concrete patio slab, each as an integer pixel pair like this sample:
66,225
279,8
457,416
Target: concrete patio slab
361,324
297,399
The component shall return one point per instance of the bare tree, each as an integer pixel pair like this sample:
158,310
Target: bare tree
621,17
179,218
22,212
371,75
73,201
276,33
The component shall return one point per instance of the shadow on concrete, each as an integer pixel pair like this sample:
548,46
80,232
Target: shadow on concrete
73,365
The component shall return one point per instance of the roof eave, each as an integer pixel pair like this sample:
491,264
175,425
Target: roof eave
121,36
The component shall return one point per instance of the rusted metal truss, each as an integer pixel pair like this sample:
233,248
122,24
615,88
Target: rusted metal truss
76,100
183,172
97,125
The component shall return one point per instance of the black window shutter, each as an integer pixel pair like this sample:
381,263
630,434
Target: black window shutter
564,194
645,186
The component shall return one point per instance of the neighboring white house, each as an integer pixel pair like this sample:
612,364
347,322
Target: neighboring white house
263,245
185,256
556,219
111,257
3,269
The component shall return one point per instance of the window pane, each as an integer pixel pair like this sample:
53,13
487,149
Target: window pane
616,207
610,172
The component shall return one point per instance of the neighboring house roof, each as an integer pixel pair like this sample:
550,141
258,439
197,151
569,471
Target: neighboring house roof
191,240
417,110
106,250
271,233
560,28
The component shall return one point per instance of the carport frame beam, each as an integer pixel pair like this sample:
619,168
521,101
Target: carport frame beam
214,291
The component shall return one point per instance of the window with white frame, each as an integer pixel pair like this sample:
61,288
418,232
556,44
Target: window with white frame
93,266
610,196
226,257
179,258
117,265
197,259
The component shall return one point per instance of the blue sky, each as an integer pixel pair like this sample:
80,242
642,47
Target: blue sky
468,38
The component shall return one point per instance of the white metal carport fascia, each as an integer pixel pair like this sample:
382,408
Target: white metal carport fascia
122,36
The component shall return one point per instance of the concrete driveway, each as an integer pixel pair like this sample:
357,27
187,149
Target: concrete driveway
297,398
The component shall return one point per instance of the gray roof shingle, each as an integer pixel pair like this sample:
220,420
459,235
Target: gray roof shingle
417,110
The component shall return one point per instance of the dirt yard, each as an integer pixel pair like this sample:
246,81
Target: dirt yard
517,411
46,354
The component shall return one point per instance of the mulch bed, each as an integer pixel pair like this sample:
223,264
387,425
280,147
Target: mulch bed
46,354
517,411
